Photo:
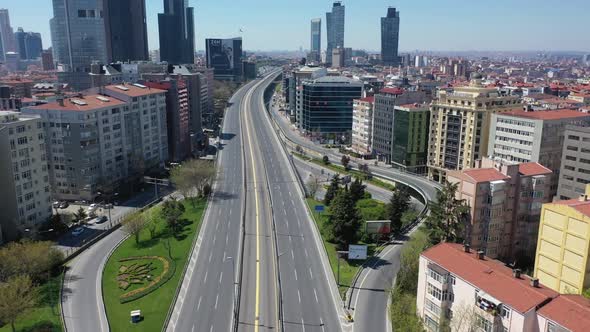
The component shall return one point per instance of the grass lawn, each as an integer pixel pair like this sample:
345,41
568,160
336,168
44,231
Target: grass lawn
155,305
46,317
340,169
347,268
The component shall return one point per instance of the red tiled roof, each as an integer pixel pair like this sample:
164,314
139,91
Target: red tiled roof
370,99
134,91
484,174
548,115
92,102
392,91
581,206
530,169
490,276
569,311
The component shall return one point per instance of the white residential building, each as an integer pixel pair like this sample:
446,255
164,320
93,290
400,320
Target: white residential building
362,125
25,199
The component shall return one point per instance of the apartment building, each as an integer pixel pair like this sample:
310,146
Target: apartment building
472,292
460,126
387,117
25,198
295,89
410,138
574,173
505,203
362,125
562,257
533,136
98,143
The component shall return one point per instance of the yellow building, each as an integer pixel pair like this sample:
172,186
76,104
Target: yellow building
460,125
563,247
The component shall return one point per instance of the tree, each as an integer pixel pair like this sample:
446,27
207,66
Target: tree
192,176
345,161
448,217
326,160
407,277
32,258
80,215
345,220
398,204
172,210
152,222
134,224
357,190
364,168
403,313
332,189
17,297
313,185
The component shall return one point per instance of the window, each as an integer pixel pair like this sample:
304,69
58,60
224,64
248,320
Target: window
574,137
81,13
483,324
432,307
554,327
430,323
505,312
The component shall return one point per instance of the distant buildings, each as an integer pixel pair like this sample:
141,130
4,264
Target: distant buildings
78,39
574,174
338,57
468,291
177,32
7,41
19,87
460,126
126,30
390,38
334,29
294,90
505,203
29,44
362,125
524,136
326,110
225,57
316,40
563,249
47,60
97,143
25,196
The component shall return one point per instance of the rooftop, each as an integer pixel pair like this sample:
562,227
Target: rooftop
370,99
569,311
81,103
531,169
490,276
484,174
336,79
581,206
134,90
549,114
392,91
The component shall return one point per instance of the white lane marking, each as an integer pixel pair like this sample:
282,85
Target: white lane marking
216,226
221,278
302,325
296,275
206,274
211,329
311,275
215,238
305,251
193,329
292,255
316,295
299,296
216,300
322,324
210,255
199,305
226,238
230,211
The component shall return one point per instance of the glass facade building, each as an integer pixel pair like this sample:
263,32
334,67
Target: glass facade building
126,30
29,44
334,29
316,38
177,32
390,38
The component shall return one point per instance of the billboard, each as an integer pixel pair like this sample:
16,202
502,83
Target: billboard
357,251
225,56
378,227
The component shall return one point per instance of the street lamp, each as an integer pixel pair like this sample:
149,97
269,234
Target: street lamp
235,284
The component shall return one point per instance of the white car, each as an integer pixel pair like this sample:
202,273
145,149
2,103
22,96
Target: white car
77,231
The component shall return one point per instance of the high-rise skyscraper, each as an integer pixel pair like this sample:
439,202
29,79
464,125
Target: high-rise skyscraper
78,39
316,39
28,44
7,43
126,30
334,29
390,37
177,32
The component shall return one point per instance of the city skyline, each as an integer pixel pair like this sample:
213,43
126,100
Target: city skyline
417,30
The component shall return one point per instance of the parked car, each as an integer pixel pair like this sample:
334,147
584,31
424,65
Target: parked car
56,204
101,219
63,205
77,231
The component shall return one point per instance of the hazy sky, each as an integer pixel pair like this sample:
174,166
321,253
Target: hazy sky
425,24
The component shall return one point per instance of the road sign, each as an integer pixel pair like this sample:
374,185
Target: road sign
357,251
378,227
319,208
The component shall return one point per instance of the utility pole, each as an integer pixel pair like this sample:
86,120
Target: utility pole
156,182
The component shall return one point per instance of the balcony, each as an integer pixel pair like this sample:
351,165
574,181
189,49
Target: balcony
488,304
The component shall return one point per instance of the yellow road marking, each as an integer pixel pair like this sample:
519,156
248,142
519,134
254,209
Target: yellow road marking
257,307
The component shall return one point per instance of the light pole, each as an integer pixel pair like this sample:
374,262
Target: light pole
235,284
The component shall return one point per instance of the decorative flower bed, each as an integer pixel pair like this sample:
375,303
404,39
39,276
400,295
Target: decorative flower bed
140,274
